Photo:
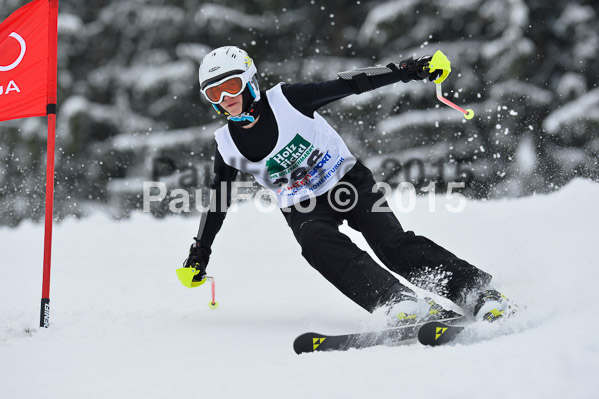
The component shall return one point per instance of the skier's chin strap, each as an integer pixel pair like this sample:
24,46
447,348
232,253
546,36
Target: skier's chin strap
242,118
245,118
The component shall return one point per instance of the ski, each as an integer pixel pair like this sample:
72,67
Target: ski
316,342
437,333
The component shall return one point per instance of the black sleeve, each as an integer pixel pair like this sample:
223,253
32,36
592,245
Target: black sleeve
212,220
308,97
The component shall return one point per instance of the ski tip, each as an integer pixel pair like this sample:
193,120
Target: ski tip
299,346
308,343
436,333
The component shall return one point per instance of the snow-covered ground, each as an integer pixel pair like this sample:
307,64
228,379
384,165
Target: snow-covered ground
124,327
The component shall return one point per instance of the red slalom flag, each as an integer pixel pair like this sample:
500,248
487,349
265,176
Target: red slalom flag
27,83
28,63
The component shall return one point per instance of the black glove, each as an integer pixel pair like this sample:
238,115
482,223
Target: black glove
419,69
199,255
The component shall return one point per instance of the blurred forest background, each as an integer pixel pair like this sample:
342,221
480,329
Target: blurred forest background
130,109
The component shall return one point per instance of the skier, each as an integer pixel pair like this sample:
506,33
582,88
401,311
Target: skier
279,138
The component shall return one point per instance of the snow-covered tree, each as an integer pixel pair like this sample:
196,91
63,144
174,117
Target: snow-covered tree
130,109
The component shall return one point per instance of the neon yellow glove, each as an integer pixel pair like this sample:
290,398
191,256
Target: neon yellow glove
193,272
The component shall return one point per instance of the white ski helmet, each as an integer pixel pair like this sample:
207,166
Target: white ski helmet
223,64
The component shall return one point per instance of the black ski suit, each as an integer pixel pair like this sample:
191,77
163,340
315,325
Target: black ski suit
330,252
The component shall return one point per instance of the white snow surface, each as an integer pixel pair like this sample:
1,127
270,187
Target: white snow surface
122,326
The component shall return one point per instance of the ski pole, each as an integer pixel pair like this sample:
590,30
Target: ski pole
440,62
213,304
186,275
468,113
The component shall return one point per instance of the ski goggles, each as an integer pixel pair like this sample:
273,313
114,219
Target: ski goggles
230,86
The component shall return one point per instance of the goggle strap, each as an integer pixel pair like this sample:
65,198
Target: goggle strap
252,92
